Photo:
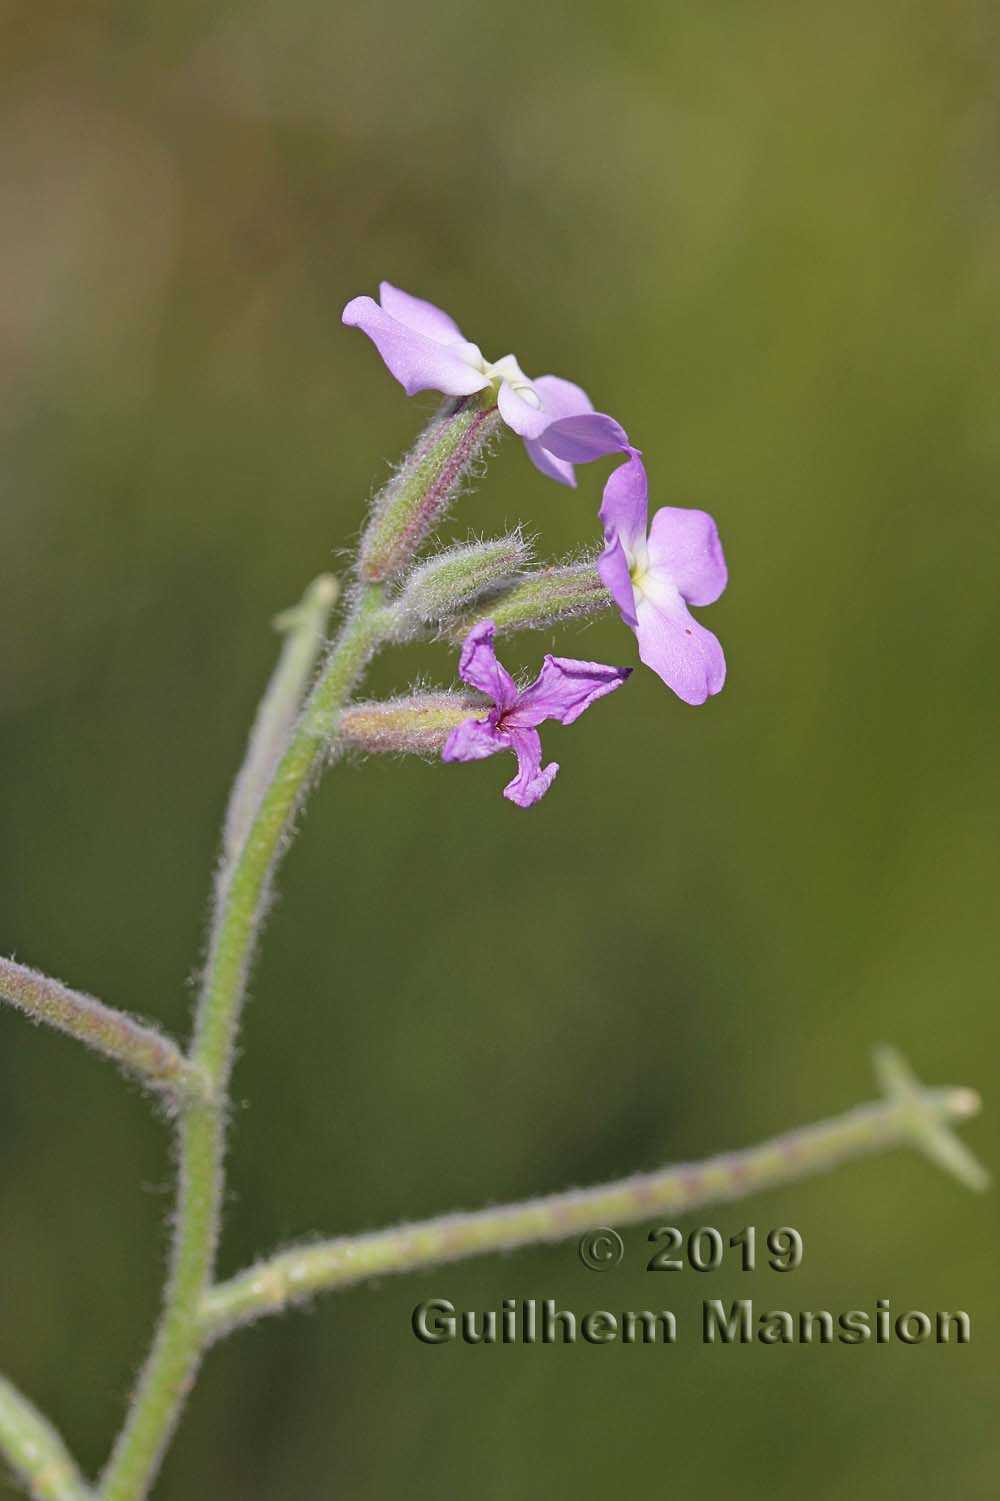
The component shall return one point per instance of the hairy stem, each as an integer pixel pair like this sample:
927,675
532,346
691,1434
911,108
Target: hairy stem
35,1452
140,1049
241,903
292,1276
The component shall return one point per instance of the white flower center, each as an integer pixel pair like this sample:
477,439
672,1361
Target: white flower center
504,371
637,558
649,583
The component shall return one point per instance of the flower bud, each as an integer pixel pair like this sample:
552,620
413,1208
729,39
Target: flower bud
442,586
418,724
431,476
548,597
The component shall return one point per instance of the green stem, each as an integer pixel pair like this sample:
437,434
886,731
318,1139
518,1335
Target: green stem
242,901
295,1275
139,1049
35,1451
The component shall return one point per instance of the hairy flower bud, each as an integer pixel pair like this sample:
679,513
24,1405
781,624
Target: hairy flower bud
548,597
431,476
444,585
417,724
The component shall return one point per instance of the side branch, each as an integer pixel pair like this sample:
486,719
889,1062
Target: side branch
139,1049
35,1452
293,1276
303,627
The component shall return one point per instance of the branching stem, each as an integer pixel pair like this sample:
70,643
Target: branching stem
295,1275
286,751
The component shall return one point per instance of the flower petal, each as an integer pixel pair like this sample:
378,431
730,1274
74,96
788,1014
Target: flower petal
615,575
526,420
474,740
418,362
531,782
583,438
560,398
478,666
563,689
423,317
623,516
625,505
683,653
548,464
684,546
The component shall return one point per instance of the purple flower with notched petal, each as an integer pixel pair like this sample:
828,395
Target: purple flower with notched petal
426,351
654,578
562,690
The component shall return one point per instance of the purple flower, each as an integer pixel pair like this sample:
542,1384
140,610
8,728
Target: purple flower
654,578
426,351
562,690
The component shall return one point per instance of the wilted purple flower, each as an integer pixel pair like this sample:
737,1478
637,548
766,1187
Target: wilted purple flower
426,351
562,690
653,580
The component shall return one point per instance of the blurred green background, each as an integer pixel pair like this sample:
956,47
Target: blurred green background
766,238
